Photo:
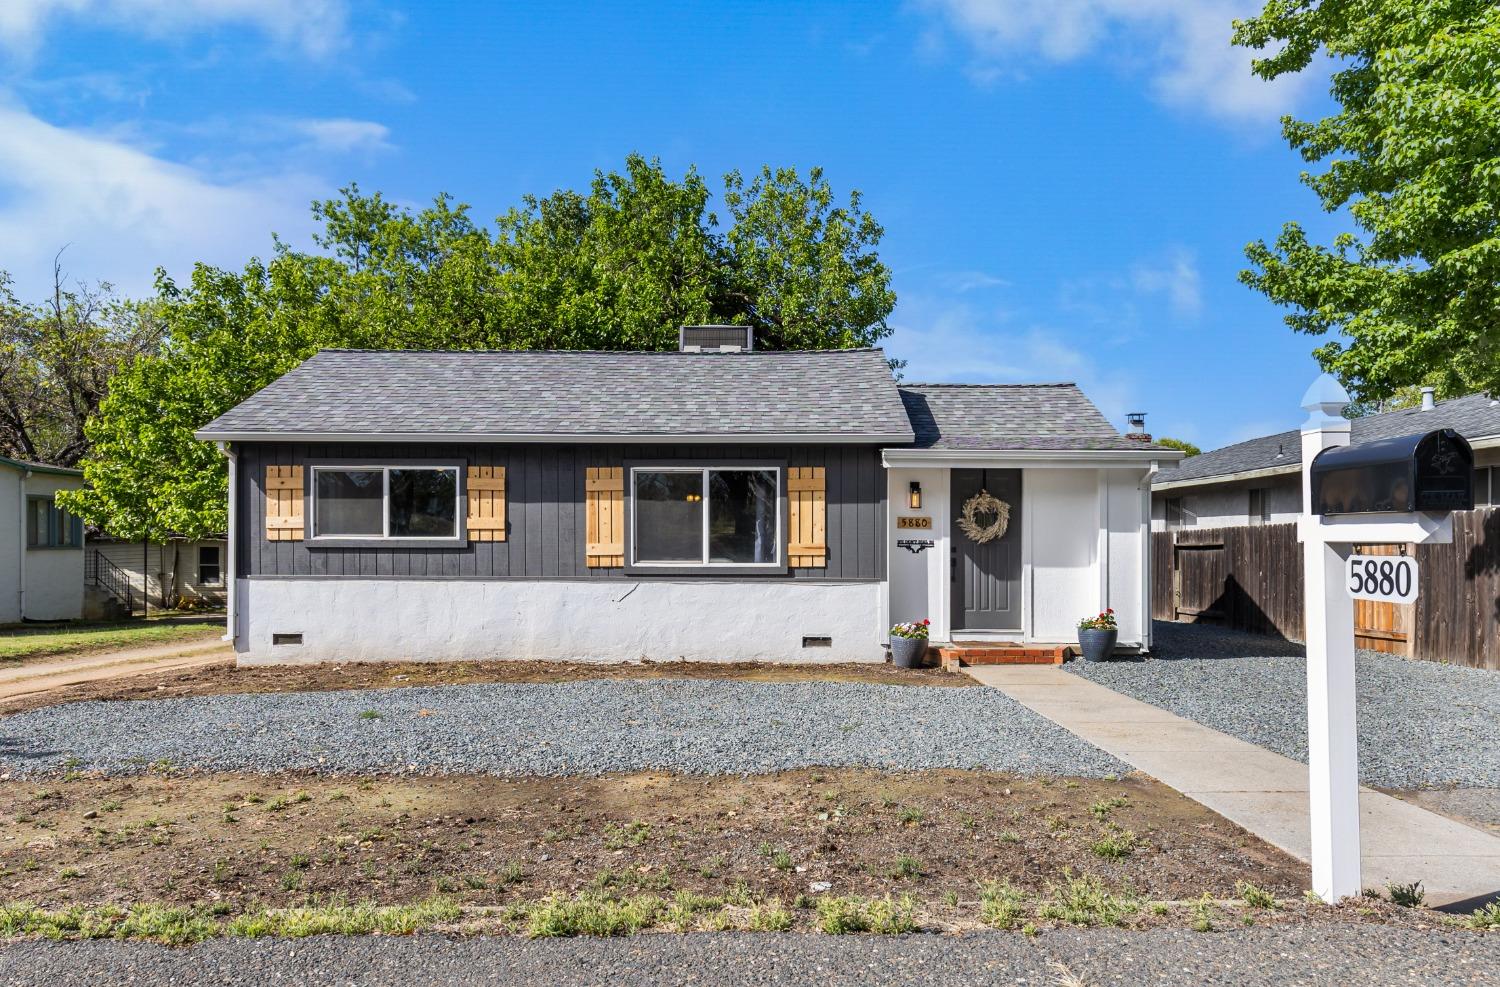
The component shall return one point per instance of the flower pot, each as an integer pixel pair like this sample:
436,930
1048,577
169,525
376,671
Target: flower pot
1098,643
908,652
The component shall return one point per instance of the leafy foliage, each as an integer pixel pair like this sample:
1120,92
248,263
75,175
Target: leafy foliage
620,266
1182,444
56,360
1413,157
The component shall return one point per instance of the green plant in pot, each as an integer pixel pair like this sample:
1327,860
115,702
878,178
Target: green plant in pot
1097,635
909,644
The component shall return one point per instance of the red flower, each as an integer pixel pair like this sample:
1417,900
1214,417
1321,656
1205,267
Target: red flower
1109,609
925,621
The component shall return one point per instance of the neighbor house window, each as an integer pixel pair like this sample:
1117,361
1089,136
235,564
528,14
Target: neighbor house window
385,502
706,516
209,571
49,526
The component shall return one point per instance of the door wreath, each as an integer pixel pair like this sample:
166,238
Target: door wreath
975,520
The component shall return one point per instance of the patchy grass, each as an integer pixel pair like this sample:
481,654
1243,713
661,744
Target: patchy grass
884,916
31,644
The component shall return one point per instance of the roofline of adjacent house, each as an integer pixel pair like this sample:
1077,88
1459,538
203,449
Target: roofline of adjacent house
40,467
565,438
1025,457
1488,442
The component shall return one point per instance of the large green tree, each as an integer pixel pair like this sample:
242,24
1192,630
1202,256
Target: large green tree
621,265
1411,294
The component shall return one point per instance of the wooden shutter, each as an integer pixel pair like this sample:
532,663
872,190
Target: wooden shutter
807,514
284,503
485,489
604,507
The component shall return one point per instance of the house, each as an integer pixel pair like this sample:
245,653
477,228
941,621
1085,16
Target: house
1259,481
714,502
177,573
41,545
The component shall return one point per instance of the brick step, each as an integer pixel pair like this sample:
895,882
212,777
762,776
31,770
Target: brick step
1000,654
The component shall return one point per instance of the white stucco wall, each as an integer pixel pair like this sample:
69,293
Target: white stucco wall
919,581
1124,497
53,580
1063,532
663,620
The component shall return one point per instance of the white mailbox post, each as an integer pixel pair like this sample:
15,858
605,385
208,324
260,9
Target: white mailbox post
1332,735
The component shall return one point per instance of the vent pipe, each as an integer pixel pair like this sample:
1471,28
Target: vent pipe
1429,398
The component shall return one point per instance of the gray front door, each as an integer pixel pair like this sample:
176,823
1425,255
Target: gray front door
987,578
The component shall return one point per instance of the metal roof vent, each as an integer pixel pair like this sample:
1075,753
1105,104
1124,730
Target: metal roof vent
715,339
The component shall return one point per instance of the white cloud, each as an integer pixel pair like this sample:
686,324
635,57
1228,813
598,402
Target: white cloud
121,211
317,27
1175,277
343,135
1181,45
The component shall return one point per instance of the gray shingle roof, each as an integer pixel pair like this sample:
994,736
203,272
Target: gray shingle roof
1009,417
1474,417
846,394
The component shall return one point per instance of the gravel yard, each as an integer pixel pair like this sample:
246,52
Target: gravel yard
1420,723
574,728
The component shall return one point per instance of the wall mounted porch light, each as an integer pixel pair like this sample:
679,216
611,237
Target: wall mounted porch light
914,499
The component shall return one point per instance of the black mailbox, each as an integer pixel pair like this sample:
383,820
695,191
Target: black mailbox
1430,471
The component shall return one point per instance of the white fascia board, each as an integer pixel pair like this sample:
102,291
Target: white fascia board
559,438
1028,458
1203,481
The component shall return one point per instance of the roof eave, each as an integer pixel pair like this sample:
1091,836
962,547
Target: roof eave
563,438
1027,457
40,467
1201,481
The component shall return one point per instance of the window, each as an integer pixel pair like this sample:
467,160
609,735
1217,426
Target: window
1260,506
209,571
370,502
1174,513
49,526
706,516
1484,495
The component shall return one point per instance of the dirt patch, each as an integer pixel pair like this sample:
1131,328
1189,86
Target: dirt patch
225,677
933,835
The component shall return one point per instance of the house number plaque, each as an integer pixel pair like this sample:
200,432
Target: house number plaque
914,522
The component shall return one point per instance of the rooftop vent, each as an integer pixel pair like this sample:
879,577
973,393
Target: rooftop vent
715,339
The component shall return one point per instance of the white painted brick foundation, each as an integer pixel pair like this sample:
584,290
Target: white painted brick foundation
352,619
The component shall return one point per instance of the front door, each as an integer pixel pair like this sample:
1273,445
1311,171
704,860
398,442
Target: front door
987,576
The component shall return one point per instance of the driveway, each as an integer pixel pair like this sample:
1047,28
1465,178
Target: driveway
1305,955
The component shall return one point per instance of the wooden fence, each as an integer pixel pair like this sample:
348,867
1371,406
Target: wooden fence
1250,578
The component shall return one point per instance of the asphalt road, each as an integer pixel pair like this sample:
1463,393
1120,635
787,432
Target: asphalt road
1306,955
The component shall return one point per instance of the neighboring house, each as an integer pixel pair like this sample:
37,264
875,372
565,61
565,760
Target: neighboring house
711,503
181,572
41,545
1259,481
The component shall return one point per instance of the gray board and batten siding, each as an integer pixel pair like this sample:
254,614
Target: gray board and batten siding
545,511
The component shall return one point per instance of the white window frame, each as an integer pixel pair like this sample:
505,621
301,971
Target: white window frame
704,563
385,537
218,565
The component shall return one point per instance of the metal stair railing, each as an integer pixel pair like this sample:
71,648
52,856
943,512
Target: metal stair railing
112,579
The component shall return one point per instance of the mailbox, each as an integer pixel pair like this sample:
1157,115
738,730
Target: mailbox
1430,471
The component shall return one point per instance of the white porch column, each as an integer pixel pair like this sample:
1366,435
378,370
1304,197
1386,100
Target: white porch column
1332,733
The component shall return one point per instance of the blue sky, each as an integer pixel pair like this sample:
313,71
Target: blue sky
1066,185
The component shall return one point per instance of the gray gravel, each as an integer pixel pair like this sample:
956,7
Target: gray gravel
1307,955
578,728
1420,723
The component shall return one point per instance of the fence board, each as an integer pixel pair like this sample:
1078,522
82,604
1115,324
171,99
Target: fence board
1255,584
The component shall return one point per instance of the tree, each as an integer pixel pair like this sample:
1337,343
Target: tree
1413,160
1181,444
56,361
620,266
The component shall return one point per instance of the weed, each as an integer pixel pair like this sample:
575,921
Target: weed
445,884
221,871
510,873
69,873
1253,896
950,898
1485,918
1115,845
343,919
769,916
1407,895
1086,901
910,816
591,915
1203,914
781,860
291,881
1001,904
906,868
886,916
338,795
1010,836
1102,808
629,835
300,861
370,714
112,805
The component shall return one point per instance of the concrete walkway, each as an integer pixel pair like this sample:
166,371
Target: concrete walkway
1264,792
54,673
